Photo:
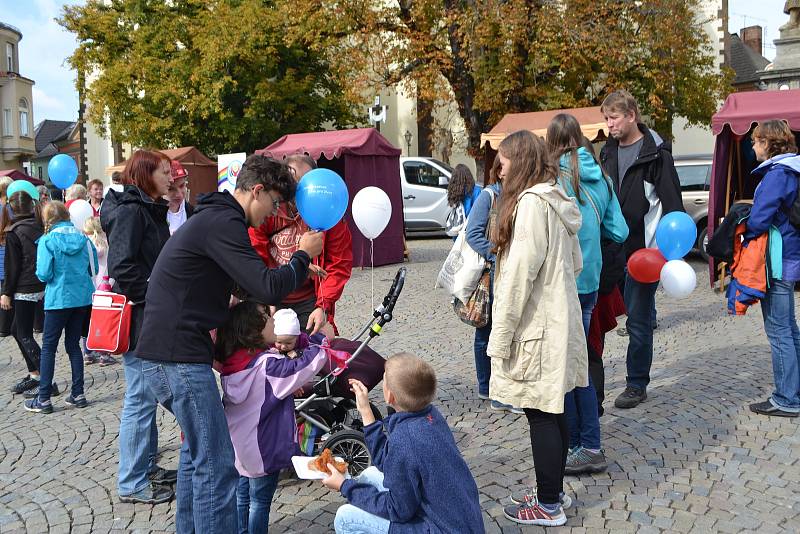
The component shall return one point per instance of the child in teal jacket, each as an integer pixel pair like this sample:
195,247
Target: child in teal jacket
66,261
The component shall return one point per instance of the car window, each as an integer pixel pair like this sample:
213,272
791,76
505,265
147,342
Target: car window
694,177
420,173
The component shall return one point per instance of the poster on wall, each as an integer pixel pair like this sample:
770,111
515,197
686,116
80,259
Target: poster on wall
228,167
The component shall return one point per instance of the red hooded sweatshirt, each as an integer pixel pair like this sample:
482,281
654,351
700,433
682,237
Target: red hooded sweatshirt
279,237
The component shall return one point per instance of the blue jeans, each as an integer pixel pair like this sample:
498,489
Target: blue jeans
780,325
138,433
640,301
483,364
253,499
353,520
69,321
207,478
580,404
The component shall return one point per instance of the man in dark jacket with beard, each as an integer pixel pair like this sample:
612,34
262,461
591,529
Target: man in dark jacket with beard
641,167
188,296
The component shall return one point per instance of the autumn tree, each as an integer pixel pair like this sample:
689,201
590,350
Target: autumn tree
493,57
216,74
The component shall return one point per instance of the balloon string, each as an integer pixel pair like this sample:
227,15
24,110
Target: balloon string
372,271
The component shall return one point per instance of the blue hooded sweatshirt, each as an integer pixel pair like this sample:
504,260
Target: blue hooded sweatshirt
774,197
602,216
62,262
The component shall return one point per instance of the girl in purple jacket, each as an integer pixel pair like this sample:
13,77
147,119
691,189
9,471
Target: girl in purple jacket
257,387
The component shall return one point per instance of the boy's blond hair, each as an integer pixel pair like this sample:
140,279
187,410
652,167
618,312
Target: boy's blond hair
411,380
621,101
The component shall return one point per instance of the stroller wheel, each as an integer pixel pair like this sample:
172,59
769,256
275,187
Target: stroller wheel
350,446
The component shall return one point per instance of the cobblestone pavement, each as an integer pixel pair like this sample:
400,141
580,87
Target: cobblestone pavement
691,458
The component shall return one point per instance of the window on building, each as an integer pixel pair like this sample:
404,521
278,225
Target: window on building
40,172
10,57
7,122
23,118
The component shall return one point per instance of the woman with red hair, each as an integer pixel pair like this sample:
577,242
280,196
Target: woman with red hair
135,222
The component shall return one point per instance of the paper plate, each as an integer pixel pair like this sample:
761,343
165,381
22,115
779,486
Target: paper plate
304,472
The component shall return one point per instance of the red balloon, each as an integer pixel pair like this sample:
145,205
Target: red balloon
645,265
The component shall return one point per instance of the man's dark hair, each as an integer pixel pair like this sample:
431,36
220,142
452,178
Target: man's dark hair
271,173
302,158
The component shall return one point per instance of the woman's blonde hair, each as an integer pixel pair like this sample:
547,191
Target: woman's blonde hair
75,192
53,213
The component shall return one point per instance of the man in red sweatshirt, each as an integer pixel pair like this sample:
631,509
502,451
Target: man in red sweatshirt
278,238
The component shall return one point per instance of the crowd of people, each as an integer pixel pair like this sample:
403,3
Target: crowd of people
239,284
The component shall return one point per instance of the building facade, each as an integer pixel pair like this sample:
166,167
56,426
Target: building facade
16,103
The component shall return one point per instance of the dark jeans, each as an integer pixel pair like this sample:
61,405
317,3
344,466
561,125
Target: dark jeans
69,321
580,404
780,324
253,499
640,301
483,364
549,438
38,317
22,330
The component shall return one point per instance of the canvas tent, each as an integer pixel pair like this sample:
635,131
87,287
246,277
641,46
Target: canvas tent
202,170
362,157
591,120
734,158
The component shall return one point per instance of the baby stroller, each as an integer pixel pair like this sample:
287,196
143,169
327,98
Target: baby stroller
331,411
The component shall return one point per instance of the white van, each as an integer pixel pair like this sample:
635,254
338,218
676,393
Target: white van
424,182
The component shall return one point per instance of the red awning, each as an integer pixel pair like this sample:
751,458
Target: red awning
15,174
334,144
741,110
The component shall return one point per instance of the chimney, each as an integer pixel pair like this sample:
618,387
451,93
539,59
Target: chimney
752,37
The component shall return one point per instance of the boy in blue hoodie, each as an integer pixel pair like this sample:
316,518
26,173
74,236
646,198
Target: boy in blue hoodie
419,481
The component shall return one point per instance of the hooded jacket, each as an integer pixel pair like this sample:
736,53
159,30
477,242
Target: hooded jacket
259,407
20,258
65,260
193,278
136,228
773,198
600,212
537,344
336,258
649,190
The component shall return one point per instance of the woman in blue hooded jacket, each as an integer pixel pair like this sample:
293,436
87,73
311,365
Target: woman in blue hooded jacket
65,262
774,145
581,177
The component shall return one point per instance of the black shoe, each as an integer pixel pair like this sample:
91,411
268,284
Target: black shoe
79,401
163,476
767,408
150,495
631,397
24,385
33,393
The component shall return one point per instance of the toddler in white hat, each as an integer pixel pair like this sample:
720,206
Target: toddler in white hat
287,330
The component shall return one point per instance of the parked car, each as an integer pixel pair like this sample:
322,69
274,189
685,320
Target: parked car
424,184
694,173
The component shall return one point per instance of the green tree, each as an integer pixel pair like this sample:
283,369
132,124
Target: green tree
217,74
493,57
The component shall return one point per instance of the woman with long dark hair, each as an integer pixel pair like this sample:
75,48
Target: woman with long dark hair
135,223
461,189
581,177
22,290
537,344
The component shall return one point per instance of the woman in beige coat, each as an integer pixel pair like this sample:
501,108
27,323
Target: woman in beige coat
537,345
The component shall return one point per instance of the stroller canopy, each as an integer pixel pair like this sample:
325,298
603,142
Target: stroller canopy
362,157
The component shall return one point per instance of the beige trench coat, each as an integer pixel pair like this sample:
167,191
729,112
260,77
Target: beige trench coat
537,344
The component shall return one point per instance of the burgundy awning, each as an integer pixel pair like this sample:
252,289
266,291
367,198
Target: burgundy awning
741,110
356,142
16,174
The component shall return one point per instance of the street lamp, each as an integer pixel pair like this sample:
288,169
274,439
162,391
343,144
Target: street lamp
408,136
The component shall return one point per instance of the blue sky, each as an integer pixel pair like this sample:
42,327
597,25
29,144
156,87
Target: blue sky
45,46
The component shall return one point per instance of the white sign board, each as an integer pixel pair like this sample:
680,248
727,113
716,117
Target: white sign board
228,167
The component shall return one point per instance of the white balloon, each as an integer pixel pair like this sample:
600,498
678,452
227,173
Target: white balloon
678,279
372,210
79,211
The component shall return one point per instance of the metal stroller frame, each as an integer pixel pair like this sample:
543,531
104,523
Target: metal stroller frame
336,417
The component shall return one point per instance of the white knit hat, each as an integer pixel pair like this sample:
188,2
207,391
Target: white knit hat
286,323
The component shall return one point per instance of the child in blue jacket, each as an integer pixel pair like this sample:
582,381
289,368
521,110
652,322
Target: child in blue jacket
65,262
419,481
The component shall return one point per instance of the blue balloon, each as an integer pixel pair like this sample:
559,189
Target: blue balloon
62,171
23,185
321,199
676,235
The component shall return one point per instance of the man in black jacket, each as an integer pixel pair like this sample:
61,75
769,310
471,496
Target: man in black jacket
187,297
641,167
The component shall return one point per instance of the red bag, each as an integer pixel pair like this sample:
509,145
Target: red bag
110,323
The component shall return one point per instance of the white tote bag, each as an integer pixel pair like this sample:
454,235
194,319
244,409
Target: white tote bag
463,267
